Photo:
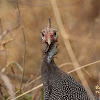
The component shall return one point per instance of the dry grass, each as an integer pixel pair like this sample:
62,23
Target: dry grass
78,29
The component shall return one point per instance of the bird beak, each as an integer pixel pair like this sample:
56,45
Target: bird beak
49,41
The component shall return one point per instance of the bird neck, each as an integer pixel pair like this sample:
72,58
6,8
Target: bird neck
48,57
50,52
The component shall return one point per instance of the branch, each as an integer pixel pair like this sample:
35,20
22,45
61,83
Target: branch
11,28
20,22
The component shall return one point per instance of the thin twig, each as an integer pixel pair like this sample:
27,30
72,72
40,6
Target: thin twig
31,77
24,56
67,72
87,73
11,28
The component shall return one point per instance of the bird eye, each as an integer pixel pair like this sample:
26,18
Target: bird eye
42,34
55,34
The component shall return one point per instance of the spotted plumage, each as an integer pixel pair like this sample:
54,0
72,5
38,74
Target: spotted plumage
58,85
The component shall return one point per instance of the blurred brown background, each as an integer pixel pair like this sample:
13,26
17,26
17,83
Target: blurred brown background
81,18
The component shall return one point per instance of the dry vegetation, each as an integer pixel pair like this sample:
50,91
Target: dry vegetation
81,22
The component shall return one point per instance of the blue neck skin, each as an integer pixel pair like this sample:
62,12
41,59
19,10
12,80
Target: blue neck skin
51,53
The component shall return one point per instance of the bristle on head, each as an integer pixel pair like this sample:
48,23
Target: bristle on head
49,23
48,26
49,34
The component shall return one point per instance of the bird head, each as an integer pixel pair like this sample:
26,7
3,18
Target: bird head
49,34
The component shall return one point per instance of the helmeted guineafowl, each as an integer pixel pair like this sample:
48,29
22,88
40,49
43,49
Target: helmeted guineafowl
57,85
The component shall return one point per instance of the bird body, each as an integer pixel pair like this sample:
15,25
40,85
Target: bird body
58,85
